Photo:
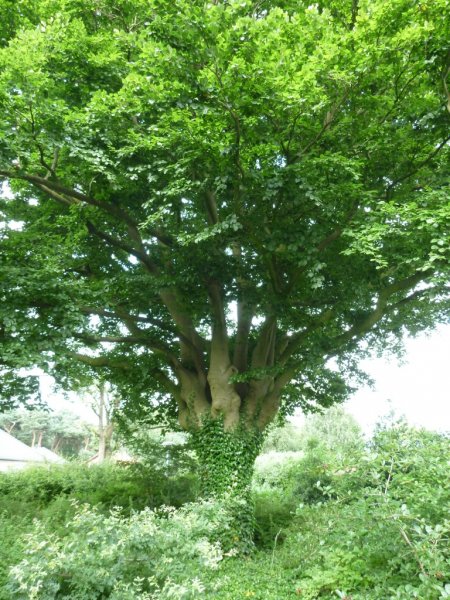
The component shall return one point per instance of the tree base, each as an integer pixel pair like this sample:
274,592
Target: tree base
227,461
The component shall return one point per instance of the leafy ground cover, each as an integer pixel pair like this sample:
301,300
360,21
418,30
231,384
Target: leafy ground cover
374,525
51,494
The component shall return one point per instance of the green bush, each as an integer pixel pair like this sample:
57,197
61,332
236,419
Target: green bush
272,470
150,554
282,481
129,486
304,476
374,525
46,493
274,512
385,536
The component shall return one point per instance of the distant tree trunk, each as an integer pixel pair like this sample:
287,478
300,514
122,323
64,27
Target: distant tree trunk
56,444
104,451
105,426
33,440
10,427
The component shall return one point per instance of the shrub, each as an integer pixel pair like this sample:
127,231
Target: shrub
274,511
272,469
46,493
281,481
303,476
150,554
387,539
129,486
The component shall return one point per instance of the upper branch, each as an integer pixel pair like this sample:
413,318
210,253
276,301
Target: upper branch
263,353
211,208
100,361
419,165
359,329
70,196
141,340
297,339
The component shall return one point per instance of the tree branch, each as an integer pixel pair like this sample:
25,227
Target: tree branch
142,256
192,344
76,196
155,345
100,361
264,349
219,342
419,165
328,121
361,328
296,340
334,235
211,208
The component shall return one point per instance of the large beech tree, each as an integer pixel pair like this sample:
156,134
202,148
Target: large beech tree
223,205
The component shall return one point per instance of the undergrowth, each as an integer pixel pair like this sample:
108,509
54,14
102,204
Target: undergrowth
374,525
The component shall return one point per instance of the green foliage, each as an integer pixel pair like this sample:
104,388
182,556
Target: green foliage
132,487
328,446
18,391
226,457
281,482
387,538
333,429
145,555
372,525
170,452
380,529
274,512
284,438
48,494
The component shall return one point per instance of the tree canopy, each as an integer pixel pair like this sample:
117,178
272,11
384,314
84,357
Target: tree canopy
210,201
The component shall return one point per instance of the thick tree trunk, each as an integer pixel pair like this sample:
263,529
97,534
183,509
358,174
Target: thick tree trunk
225,416
227,461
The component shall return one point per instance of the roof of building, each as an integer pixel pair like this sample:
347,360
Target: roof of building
13,449
49,455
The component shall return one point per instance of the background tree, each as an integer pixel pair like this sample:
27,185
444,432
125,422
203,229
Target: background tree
333,430
104,402
211,200
63,432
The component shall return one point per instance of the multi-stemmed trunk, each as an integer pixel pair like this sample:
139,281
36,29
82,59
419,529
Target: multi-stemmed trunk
225,414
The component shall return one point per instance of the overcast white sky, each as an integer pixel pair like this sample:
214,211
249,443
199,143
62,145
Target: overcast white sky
419,389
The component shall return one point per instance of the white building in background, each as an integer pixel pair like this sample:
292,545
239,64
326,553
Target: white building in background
14,454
